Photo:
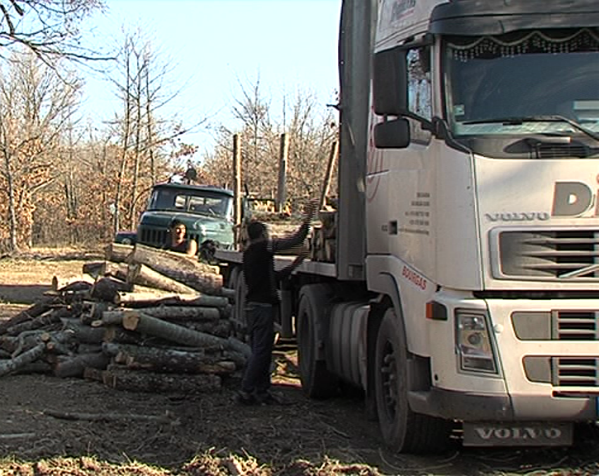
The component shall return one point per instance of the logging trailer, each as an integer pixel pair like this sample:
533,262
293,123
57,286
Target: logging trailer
460,285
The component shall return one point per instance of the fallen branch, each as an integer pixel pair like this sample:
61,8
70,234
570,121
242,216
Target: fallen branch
108,416
15,436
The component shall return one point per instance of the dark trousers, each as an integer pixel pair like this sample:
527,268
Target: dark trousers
257,376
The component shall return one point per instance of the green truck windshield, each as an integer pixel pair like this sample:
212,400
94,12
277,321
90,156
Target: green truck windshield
199,202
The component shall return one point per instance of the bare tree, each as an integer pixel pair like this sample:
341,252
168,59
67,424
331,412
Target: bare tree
49,28
311,127
36,106
148,137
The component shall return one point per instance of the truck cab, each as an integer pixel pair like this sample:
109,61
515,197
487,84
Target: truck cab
206,211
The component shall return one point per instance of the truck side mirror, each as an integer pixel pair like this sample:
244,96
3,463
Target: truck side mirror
390,96
392,134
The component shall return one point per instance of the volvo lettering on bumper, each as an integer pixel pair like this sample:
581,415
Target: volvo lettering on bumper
517,434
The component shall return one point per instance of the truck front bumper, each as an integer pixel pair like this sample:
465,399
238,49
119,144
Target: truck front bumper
485,407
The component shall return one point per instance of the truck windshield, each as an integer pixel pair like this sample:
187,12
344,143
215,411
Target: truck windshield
530,82
199,202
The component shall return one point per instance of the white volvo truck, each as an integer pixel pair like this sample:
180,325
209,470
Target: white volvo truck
464,283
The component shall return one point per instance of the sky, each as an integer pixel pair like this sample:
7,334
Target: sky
214,46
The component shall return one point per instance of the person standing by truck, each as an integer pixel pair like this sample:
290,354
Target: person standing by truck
261,298
177,241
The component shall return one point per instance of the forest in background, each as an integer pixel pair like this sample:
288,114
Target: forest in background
65,180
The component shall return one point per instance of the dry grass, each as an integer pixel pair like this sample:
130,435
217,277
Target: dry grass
26,276
211,463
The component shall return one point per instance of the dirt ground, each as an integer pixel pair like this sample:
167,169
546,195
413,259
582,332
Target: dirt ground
53,426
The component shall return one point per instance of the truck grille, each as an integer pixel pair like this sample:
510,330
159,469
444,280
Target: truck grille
562,371
565,255
576,325
573,372
157,237
556,325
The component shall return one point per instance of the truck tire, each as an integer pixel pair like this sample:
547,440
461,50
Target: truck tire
403,430
317,381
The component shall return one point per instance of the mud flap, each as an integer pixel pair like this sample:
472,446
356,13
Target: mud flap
517,434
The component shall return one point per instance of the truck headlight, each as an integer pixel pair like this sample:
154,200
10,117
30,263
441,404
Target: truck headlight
473,343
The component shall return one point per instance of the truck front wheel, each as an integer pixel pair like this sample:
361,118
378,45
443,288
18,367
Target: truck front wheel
402,429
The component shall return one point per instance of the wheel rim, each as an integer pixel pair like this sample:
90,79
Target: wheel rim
389,380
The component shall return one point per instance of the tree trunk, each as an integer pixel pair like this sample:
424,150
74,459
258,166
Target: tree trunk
145,324
82,333
141,299
95,312
75,365
136,381
15,345
108,288
118,334
110,318
117,252
50,317
35,310
150,325
94,268
116,270
23,359
35,367
219,328
170,259
172,361
89,348
199,276
178,313
142,274
90,373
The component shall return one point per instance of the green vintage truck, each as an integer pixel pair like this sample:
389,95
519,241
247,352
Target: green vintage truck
206,211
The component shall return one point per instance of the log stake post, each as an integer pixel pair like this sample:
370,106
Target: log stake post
237,185
284,147
332,159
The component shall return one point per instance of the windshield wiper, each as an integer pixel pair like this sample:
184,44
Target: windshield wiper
515,121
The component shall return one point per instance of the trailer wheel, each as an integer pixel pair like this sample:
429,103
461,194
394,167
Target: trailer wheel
402,429
317,381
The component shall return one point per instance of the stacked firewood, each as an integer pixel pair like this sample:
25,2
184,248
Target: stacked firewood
151,320
323,239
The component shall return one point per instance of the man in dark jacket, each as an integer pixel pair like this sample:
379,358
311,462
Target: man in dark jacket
261,301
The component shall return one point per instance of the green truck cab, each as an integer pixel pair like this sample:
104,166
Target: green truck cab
206,211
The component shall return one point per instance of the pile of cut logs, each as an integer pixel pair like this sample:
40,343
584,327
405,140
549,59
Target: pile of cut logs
150,320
